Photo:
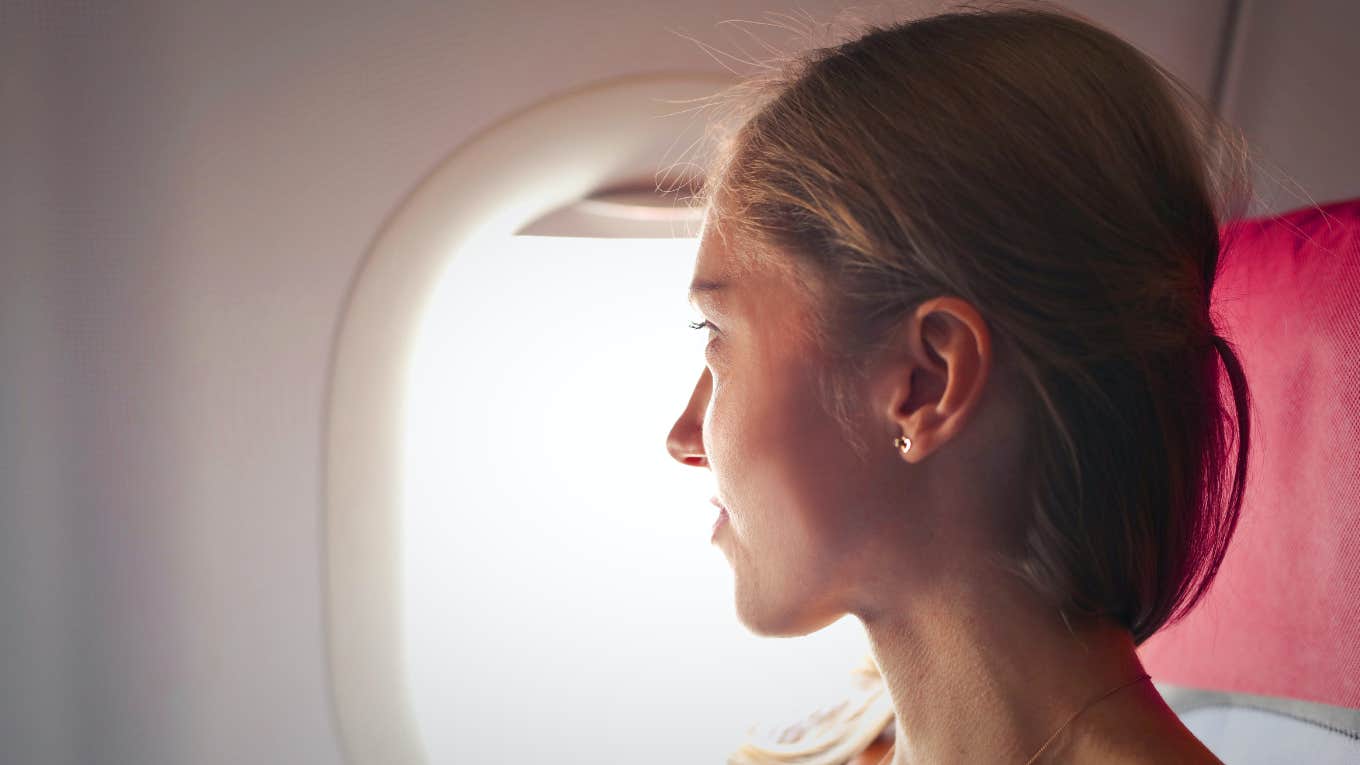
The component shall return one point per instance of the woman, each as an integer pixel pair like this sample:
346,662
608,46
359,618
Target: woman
962,381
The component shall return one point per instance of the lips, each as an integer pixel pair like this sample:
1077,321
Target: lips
722,516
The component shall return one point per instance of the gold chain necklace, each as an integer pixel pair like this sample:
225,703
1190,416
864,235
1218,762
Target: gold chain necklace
888,759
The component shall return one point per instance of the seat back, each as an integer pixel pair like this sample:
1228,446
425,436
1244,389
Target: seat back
1275,644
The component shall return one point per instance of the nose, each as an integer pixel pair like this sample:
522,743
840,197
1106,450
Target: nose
686,439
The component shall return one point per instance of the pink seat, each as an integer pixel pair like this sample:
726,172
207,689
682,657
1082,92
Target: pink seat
1283,616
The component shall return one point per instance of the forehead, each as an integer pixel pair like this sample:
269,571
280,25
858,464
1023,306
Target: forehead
712,259
722,255
717,271
742,263
744,283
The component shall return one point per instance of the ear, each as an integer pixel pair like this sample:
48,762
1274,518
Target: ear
938,374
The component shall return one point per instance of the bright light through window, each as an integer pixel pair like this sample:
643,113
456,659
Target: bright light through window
563,602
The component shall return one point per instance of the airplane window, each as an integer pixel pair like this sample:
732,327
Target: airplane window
561,597
516,568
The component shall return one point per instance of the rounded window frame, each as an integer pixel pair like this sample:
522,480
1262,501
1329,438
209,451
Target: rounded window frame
491,185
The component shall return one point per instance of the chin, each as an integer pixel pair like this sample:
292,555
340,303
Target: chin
773,617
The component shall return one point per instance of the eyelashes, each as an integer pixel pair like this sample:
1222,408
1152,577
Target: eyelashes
712,341
703,324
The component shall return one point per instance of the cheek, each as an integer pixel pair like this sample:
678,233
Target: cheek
735,451
729,418
745,441
797,466
779,458
835,489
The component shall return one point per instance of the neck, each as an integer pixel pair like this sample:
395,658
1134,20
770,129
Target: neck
989,673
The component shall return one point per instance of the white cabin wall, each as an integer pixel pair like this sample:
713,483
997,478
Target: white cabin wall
1294,91
186,193
38,607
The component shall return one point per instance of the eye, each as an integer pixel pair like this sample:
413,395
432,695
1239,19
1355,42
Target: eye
703,324
711,328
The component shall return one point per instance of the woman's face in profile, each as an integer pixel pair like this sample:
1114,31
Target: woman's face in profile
801,509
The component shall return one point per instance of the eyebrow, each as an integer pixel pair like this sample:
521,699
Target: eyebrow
703,287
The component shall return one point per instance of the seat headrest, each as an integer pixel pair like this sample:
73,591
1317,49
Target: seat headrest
1283,616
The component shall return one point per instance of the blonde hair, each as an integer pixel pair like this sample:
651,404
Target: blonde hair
830,735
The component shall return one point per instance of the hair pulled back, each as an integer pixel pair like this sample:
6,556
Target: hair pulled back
1072,190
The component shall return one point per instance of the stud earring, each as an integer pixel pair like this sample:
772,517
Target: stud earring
903,443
